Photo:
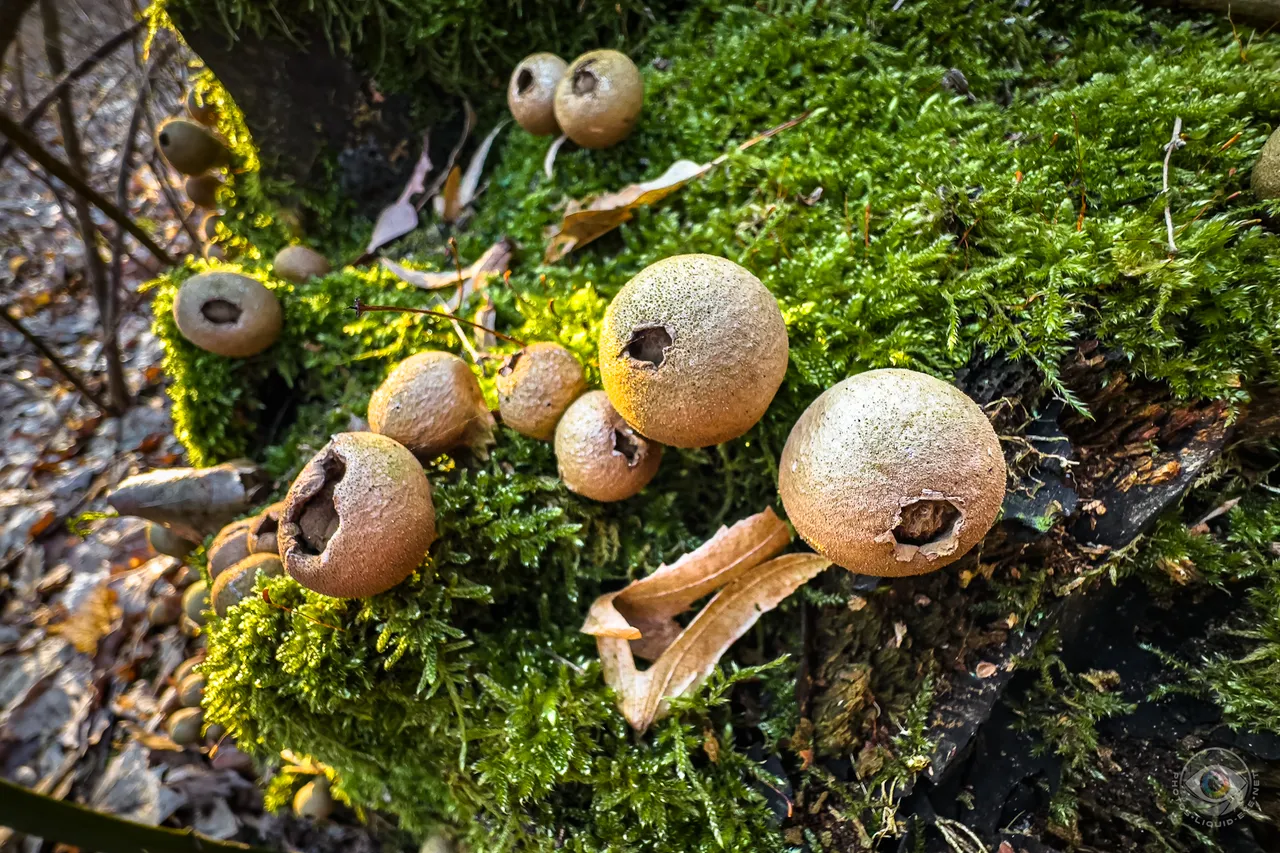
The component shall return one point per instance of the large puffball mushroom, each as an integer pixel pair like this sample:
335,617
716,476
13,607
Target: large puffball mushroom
599,456
892,472
599,99
236,583
189,147
227,314
203,190
531,93
692,350
299,264
431,403
1266,171
358,519
536,385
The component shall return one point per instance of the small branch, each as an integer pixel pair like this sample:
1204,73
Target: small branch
1174,142
11,15
107,48
362,308
60,170
59,365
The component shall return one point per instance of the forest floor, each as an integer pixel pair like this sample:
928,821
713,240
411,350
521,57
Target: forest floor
85,666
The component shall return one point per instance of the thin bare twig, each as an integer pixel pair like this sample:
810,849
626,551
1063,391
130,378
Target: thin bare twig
86,65
1174,142
362,308
68,372
28,145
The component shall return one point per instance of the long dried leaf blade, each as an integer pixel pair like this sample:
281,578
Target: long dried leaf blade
447,204
395,221
471,178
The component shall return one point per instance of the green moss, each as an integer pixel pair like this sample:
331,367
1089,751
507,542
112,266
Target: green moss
946,229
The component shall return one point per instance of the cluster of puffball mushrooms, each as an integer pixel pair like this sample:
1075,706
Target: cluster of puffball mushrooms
595,101
192,147
890,472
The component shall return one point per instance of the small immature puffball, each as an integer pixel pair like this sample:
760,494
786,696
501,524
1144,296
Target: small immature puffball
431,403
203,190
164,541
599,99
536,385
299,264
195,601
692,350
201,111
531,93
892,472
164,610
358,519
263,530
236,583
227,314
191,690
229,547
1266,171
184,726
599,456
190,148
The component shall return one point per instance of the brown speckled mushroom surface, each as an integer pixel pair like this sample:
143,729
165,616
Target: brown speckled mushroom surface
892,472
599,456
599,99
531,93
358,519
536,385
227,314
431,403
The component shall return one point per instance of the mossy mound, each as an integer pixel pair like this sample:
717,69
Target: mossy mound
904,224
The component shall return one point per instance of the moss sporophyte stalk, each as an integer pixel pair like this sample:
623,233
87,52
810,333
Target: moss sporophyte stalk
904,225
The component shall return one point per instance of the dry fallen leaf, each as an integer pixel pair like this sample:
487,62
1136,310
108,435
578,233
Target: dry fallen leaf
638,619
192,502
96,617
460,189
584,223
494,261
401,217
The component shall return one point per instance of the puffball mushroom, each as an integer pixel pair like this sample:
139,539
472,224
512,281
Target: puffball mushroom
184,726
227,314
164,541
599,99
892,473
191,690
229,547
358,519
1265,179
263,530
203,190
536,385
599,456
531,93
299,264
236,583
195,601
692,350
201,111
431,403
313,800
190,148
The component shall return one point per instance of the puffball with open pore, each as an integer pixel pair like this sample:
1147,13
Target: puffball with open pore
227,314
892,473
692,350
599,99
358,519
431,403
598,455
531,93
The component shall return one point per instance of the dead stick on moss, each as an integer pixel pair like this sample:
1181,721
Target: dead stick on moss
362,308
28,145
1174,142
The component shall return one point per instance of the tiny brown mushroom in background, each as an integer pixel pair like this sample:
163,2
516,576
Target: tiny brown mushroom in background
200,110
229,547
536,385
191,690
227,314
195,602
184,726
186,667
358,519
263,530
203,190
599,99
190,147
893,473
432,403
236,583
164,541
598,455
300,264
531,93
692,350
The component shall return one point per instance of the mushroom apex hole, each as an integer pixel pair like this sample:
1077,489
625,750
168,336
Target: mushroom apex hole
584,80
926,521
649,344
164,139
625,443
319,518
221,311
524,81
510,364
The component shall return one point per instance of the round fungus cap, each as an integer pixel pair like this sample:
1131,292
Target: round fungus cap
229,547
599,456
200,110
227,314
358,519
203,190
1265,179
263,528
189,147
431,403
236,583
892,472
299,264
531,93
536,385
164,541
599,99
692,350
195,602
